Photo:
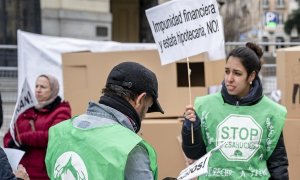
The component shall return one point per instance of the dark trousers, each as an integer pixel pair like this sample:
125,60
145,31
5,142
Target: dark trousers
295,92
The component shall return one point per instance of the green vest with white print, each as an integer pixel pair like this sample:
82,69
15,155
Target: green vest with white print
251,133
97,153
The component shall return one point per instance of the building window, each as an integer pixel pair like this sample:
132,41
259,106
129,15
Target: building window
145,30
280,3
279,40
266,47
265,4
14,15
101,31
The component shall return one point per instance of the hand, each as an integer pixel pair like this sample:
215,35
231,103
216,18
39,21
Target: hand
21,172
190,113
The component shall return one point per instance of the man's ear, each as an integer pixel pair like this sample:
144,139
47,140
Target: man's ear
139,100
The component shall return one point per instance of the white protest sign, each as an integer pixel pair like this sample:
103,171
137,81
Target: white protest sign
199,167
196,169
186,28
14,157
25,101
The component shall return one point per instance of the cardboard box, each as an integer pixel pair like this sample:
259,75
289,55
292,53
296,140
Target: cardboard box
164,136
84,76
292,144
288,79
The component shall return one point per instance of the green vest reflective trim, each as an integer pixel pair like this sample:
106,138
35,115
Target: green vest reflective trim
96,157
251,133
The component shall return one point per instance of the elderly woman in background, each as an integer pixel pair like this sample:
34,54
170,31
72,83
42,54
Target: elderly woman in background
32,126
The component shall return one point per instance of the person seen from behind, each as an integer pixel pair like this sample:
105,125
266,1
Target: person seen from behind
102,143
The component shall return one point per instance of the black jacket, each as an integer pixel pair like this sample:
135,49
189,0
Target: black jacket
277,163
6,172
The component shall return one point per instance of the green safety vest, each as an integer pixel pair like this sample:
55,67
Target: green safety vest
251,133
98,153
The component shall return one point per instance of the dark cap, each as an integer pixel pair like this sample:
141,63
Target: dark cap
135,77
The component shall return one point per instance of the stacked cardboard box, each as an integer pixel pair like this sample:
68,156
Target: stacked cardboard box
288,81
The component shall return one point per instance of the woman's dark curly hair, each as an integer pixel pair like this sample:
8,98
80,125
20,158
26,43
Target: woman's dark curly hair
250,57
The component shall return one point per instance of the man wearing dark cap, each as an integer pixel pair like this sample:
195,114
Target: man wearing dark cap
103,144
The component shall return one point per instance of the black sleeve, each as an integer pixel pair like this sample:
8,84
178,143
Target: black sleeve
278,162
5,170
193,150
1,112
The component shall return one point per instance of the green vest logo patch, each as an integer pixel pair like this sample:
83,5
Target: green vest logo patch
70,166
243,136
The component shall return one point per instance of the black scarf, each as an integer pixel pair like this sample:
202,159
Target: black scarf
52,105
254,95
124,107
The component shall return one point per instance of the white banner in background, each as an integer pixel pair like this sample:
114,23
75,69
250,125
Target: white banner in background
25,101
186,28
40,54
